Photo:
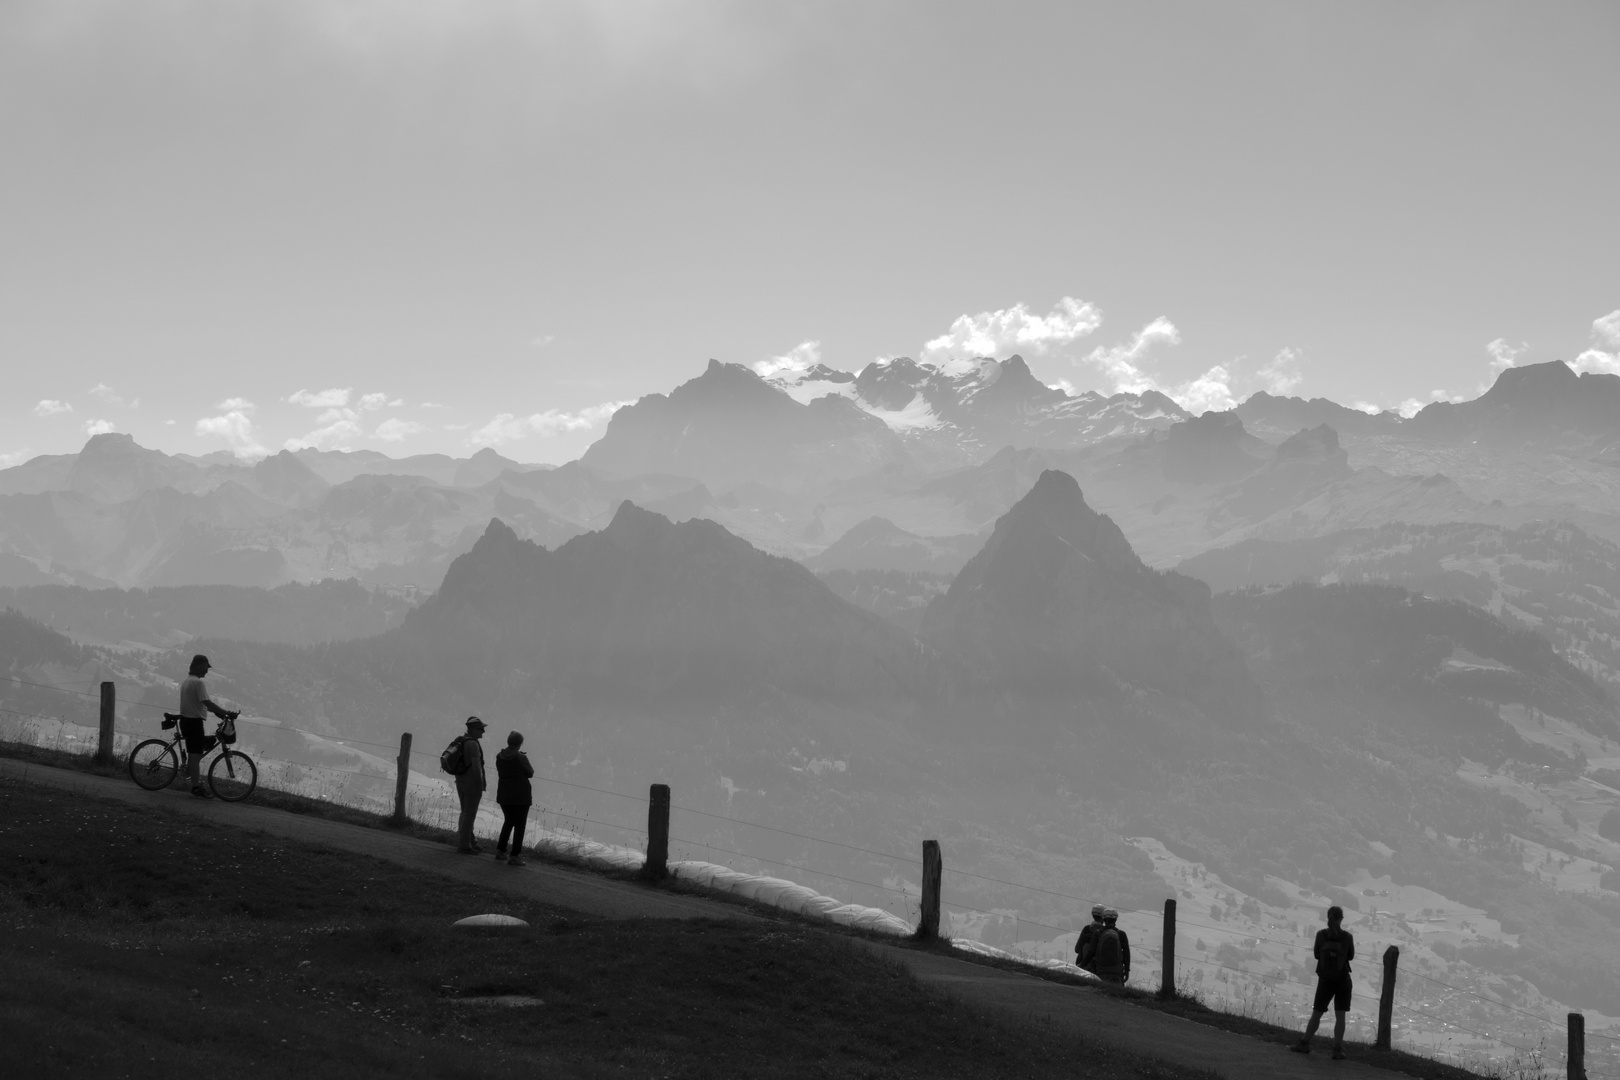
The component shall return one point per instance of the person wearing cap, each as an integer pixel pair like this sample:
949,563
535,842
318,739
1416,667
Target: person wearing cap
195,705
470,786
1085,947
1113,950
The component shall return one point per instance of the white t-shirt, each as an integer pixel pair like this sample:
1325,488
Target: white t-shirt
192,695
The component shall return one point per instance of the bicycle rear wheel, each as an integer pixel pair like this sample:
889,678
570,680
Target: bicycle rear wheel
152,764
232,776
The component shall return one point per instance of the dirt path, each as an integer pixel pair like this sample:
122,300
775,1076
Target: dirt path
1022,997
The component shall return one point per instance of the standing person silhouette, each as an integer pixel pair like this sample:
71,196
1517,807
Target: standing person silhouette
1085,946
195,705
514,795
1334,949
470,786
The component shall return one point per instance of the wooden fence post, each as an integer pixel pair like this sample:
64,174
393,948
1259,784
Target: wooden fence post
1167,970
1386,998
657,864
402,776
933,871
1575,1063
109,701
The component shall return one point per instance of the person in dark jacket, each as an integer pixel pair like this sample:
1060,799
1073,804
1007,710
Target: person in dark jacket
514,795
1334,949
1085,946
1112,957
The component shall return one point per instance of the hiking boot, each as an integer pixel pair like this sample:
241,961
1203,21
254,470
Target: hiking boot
1338,1053
1301,1047
516,860
201,792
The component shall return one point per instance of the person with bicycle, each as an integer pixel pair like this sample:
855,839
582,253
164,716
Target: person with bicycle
195,705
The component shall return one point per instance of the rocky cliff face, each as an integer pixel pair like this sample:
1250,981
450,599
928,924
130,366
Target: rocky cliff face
1058,604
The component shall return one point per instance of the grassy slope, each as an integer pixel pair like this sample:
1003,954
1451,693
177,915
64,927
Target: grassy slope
140,942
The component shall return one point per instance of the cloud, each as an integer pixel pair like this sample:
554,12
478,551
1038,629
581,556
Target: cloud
1015,329
235,426
99,427
1122,363
396,430
335,398
52,407
508,427
1282,376
16,457
340,424
337,432
102,392
432,405
1504,355
1211,391
543,340
1604,357
802,357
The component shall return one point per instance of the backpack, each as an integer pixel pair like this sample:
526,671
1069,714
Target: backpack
1332,965
1109,956
452,760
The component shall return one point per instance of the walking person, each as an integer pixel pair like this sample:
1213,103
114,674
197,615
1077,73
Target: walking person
514,795
470,785
1113,953
1334,949
1085,946
195,705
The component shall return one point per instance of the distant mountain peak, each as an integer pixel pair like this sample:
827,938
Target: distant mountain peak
1058,603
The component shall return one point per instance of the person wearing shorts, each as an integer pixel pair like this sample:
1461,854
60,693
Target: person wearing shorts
195,705
1334,949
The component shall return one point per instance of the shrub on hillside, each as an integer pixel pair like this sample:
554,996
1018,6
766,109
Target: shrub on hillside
1609,827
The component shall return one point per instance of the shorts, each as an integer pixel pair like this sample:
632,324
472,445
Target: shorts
191,729
1338,993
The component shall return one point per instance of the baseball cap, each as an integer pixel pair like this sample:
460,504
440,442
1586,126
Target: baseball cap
473,721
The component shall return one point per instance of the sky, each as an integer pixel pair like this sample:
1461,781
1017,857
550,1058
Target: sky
431,226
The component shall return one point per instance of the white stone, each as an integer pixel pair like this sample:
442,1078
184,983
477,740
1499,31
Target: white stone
490,920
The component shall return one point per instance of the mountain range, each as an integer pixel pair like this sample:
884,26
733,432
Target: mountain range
801,462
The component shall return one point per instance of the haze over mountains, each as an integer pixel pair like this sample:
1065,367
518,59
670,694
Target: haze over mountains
1310,653
795,461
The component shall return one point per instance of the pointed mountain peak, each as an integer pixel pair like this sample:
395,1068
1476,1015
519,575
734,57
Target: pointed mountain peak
498,532
1015,366
1055,485
632,526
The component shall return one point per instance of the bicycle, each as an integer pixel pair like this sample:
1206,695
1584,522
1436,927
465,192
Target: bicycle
232,775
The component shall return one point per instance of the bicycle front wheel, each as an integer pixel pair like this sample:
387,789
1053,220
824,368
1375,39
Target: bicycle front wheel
233,776
152,764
